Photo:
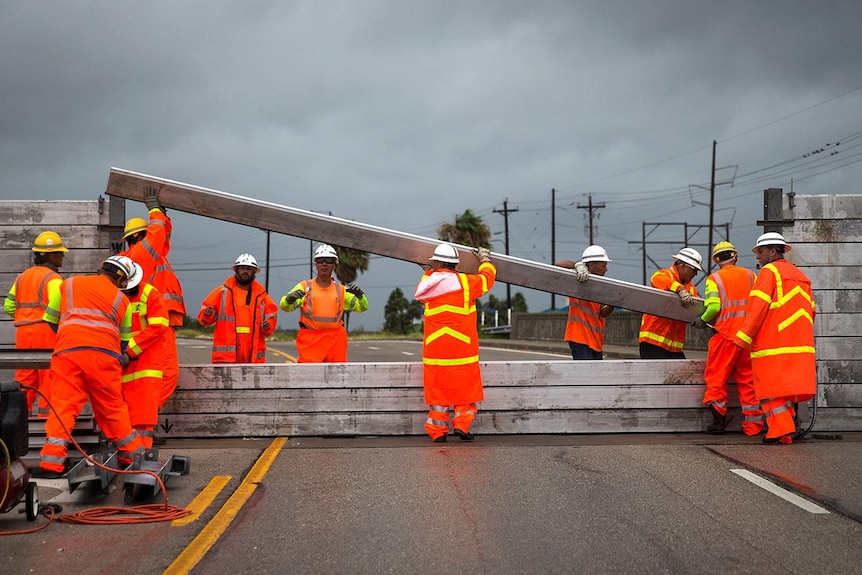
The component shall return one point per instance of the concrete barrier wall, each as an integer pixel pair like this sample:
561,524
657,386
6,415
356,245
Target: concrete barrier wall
621,328
611,396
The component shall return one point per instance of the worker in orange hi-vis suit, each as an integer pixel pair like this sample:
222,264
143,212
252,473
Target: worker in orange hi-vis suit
94,320
585,327
779,331
243,315
450,351
322,337
726,297
26,303
659,337
149,246
142,376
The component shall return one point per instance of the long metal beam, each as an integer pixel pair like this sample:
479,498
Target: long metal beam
390,243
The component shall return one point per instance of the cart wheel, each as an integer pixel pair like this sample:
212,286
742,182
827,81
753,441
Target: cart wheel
31,500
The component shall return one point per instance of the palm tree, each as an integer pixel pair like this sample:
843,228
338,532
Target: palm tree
468,230
350,264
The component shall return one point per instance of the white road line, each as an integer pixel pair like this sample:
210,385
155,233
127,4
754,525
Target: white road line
779,491
407,353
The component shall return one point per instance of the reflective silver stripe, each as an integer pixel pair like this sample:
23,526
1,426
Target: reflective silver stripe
56,441
146,433
52,459
576,319
750,408
121,443
440,408
224,348
718,403
753,418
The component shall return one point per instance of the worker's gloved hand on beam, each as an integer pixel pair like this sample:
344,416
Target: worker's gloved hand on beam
582,274
355,290
295,295
151,199
698,323
484,254
686,298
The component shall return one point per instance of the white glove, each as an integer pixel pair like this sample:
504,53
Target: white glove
484,254
582,274
686,298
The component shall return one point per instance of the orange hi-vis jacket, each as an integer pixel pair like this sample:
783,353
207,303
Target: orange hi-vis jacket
662,332
585,324
238,319
166,281
151,254
779,328
93,315
149,324
729,288
450,354
323,308
28,298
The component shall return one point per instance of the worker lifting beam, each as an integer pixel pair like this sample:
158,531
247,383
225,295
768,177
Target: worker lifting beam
393,244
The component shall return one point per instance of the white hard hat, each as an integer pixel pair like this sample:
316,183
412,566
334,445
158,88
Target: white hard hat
246,260
325,251
689,256
595,253
137,276
120,266
445,253
771,239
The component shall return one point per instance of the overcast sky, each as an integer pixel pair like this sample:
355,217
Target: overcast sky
402,114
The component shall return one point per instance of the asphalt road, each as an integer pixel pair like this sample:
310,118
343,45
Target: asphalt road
624,503
194,351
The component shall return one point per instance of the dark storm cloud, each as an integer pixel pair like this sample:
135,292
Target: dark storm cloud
402,114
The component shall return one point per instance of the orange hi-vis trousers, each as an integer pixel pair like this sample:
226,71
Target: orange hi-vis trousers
725,359
780,414
170,369
437,424
76,377
37,379
142,396
322,346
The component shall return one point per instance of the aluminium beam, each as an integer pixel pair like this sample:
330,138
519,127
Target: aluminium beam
391,243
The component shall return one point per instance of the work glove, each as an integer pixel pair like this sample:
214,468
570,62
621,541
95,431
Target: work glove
698,323
484,254
151,199
209,311
265,325
686,298
582,274
355,290
125,359
295,295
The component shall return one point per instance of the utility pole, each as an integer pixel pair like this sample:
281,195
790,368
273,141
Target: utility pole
506,211
711,213
591,207
553,239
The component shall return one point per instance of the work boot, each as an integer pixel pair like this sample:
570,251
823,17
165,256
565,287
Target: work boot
42,473
441,439
464,435
719,422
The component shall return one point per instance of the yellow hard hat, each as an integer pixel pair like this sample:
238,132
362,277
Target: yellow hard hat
49,241
134,226
722,247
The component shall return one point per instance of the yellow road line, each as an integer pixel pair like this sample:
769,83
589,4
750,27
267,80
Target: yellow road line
199,546
203,500
281,353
